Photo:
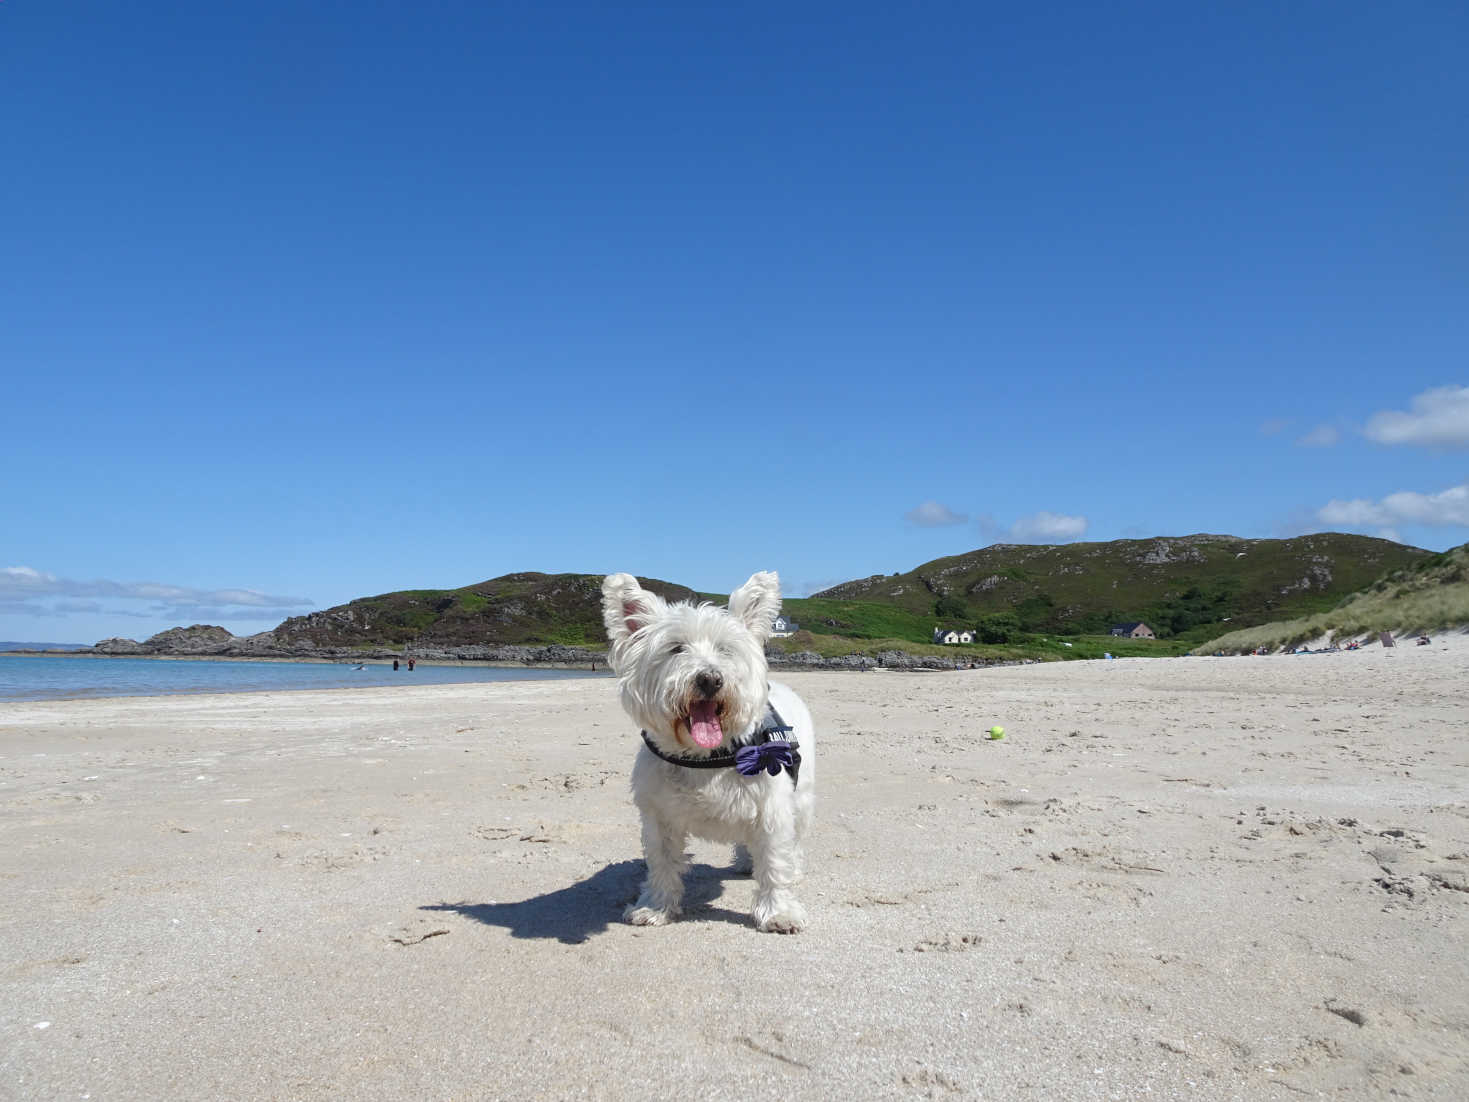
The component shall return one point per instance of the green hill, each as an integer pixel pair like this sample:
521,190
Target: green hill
1182,587
1429,596
1179,586
514,609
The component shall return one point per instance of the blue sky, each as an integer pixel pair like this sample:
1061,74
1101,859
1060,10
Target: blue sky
304,301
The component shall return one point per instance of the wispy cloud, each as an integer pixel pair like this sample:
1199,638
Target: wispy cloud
1446,509
1322,436
1439,418
1041,527
1045,527
1274,427
68,607
931,514
10,606
28,591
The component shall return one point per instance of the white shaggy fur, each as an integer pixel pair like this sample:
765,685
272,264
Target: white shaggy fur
671,658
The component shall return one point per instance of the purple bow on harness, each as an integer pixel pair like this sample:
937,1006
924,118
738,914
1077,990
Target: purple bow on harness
769,756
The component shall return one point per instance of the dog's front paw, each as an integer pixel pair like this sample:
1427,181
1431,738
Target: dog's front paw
785,917
640,914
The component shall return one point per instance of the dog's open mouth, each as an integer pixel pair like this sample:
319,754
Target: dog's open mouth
704,725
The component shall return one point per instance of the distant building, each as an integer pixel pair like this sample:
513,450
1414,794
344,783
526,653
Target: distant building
785,627
1135,630
950,636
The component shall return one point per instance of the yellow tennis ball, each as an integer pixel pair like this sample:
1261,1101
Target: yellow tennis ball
997,732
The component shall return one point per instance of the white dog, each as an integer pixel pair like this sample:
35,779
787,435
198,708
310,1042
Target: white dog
727,756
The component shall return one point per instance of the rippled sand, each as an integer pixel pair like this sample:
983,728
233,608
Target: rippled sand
1180,878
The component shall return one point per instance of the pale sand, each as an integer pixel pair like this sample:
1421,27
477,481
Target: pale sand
1188,878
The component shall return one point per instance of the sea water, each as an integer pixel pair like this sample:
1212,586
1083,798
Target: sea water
26,677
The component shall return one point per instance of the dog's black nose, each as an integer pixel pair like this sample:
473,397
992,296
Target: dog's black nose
709,682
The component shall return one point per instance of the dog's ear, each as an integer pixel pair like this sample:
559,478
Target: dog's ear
627,606
756,602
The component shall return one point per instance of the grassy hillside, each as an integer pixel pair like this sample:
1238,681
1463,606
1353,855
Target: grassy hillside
1023,598
1180,586
1430,595
859,619
516,608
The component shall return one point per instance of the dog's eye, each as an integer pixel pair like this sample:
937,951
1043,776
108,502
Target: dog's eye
677,648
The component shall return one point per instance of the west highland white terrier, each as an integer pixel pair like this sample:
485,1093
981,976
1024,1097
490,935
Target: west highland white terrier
727,755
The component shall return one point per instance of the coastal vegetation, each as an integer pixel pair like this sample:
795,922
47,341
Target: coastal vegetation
1022,602
516,609
1184,588
1430,595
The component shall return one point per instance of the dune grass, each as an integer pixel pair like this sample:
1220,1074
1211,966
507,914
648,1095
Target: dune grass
1431,596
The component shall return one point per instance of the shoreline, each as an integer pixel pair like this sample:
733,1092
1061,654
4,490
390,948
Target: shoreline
313,660
595,662
560,656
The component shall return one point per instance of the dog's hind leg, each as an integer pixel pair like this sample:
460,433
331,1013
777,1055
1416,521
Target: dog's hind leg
776,908
663,849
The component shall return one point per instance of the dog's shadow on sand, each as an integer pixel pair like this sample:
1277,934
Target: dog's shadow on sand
571,915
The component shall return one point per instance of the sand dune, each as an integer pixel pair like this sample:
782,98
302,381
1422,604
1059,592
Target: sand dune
1184,878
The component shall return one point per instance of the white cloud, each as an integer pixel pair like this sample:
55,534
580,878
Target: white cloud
1439,418
9,606
67,607
933,515
24,585
1046,527
1322,436
1446,509
23,576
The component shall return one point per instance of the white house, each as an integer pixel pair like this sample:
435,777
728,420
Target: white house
953,635
1134,630
785,627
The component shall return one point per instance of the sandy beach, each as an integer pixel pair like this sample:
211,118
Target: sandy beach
1191,878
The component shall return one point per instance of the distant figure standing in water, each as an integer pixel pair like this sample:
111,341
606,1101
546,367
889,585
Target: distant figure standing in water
395,663
411,661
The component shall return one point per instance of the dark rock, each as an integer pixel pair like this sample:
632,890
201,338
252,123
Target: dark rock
120,646
202,639
809,660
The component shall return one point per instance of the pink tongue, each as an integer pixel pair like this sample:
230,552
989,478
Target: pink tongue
704,724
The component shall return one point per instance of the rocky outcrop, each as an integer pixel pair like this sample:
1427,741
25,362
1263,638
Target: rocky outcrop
120,647
1182,550
199,641
810,660
902,660
1317,576
204,639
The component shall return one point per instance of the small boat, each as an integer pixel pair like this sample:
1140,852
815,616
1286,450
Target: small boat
361,667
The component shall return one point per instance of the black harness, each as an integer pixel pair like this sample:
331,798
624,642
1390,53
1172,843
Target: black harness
766,749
